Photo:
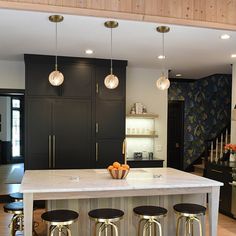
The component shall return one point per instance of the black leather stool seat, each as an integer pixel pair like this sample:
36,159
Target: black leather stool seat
106,213
150,211
60,216
13,207
16,196
190,208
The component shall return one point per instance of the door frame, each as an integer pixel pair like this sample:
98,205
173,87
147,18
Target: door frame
182,106
17,93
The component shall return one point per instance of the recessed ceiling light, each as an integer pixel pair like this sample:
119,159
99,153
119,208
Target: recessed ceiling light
233,55
178,75
89,51
161,57
225,36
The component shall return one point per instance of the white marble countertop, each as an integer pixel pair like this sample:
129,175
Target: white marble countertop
48,181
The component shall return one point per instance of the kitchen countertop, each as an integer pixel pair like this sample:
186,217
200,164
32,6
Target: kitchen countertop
37,181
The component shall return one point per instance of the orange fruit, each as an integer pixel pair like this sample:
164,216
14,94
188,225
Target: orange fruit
125,166
116,164
110,167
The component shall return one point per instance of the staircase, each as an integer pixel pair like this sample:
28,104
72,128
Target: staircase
214,149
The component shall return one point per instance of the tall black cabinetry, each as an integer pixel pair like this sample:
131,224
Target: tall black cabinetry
80,124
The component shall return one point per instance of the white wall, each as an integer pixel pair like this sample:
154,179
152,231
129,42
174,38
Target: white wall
12,74
141,87
233,123
5,111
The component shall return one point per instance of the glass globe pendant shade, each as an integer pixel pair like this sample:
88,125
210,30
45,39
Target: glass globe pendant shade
111,81
56,78
163,83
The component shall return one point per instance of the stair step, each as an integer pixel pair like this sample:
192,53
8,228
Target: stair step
199,166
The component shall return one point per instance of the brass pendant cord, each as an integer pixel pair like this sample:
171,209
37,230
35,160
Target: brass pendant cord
56,49
111,54
163,53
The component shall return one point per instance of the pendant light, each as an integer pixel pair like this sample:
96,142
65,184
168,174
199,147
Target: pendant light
56,78
163,82
111,81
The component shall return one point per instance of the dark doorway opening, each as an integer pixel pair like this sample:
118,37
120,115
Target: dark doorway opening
12,126
175,146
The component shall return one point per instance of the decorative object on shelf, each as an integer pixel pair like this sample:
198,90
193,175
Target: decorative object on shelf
111,81
138,108
231,148
56,78
138,155
163,82
118,171
234,114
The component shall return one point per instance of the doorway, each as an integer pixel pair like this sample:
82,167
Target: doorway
175,135
11,126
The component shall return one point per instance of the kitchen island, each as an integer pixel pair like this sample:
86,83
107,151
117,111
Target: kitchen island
84,190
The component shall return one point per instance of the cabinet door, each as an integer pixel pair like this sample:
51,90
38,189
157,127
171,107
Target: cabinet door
37,80
72,133
38,128
110,94
108,151
78,80
110,117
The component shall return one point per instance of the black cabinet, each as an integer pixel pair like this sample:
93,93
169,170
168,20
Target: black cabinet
59,133
145,163
222,174
80,124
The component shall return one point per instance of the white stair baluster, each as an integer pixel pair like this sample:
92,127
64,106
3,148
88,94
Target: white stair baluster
221,145
216,157
212,151
226,136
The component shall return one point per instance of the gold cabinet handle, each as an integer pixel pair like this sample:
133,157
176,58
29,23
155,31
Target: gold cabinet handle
49,151
97,88
54,151
217,171
96,151
97,127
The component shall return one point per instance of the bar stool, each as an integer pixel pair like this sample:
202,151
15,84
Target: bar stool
150,215
16,197
15,208
106,217
60,220
190,213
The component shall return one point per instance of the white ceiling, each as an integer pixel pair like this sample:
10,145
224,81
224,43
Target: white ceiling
193,52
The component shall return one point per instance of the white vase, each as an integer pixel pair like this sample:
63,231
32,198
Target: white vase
232,157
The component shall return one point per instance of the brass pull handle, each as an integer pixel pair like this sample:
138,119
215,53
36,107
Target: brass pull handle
97,127
54,151
49,151
217,171
96,151
232,184
97,88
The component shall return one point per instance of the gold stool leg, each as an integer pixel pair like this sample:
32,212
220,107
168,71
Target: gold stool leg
145,227
139,226
113,226
52,230
68,230
101,228
95,228
157,223
178,225
60,230
199,224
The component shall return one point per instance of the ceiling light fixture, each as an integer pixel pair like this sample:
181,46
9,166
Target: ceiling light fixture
178,75
56,78
111,81
89,51
163,82
233,55
225,36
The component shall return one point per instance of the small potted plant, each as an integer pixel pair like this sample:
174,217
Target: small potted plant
231,148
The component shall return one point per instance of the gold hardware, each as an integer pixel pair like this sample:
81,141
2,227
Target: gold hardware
163,29
54,151
177,145
217,171
96,151
56,18
49,151
97,88
111,24
97,127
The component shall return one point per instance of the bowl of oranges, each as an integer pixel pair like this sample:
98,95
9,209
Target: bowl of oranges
118,171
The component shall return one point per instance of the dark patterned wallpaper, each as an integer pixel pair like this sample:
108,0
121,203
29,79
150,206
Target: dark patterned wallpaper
207,110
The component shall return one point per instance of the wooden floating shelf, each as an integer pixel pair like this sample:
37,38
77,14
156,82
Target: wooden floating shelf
146,116
141,135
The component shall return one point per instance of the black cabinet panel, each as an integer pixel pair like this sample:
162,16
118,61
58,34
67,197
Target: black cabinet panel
110,116
144,164
38,129
78,80
110,94
108,151
72,130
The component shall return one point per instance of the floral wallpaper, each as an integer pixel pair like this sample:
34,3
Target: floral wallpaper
207,110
